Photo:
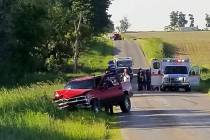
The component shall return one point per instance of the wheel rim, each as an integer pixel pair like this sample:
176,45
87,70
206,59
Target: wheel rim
127,103
96,108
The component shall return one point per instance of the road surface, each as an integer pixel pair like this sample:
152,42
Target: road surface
163,116
126,48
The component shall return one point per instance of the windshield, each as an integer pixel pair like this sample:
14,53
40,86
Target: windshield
176,70
121,70
124,63
86,84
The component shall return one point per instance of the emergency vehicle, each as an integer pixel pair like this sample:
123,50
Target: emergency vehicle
123,62
174,74
118,64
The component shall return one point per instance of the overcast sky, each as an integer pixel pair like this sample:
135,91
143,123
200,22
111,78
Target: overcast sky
154,14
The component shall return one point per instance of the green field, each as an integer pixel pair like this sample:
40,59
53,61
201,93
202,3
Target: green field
152,48
193,45
27,111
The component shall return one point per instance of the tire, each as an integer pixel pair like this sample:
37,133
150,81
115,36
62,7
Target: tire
125,105
163,89
188,89
95,106
109,109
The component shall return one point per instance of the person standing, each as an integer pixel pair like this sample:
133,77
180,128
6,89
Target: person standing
144,80
140,80
148,79
126,81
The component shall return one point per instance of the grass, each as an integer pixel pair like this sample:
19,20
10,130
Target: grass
152,48
193,45
28,113
98,53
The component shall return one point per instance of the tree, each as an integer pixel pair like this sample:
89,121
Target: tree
174,17
177,19
44,34
124,25
168,28
118,29
182,20
192,20
207,20
30,32
100,20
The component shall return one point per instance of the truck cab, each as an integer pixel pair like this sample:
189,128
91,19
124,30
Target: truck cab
173,73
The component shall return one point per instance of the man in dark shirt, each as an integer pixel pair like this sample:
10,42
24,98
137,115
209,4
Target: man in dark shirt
140,79
148,79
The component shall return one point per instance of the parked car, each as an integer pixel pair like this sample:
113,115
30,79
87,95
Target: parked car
93,92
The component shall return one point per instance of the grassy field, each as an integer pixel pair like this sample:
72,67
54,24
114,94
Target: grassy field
27,111
193,45
152,48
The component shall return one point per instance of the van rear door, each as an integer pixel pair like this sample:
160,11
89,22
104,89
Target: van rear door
194,77
156,76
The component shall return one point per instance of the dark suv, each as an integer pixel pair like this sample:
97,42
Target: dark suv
93,92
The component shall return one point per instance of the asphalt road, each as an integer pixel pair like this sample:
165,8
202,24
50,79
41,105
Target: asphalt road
163,116
126,48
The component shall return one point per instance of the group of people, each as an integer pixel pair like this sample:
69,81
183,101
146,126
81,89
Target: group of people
124,77
144,79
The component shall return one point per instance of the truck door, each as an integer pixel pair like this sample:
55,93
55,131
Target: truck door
156,67
110,91
156,76
194,76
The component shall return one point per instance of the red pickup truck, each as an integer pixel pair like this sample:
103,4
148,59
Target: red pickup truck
117,36
93,92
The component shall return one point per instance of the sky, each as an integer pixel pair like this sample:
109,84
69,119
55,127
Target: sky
153,15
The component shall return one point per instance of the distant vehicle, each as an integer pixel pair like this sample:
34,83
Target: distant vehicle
174,74
116,36
93,92
121,63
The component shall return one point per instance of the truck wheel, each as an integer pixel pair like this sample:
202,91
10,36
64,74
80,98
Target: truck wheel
162,89
95,106
109,109
187,89
125,106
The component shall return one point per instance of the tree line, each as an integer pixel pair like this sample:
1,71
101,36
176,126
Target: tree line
179,19
43,35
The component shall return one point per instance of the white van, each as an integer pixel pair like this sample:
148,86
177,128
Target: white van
173,73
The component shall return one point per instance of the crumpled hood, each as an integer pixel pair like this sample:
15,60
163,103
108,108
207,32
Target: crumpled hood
70,93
